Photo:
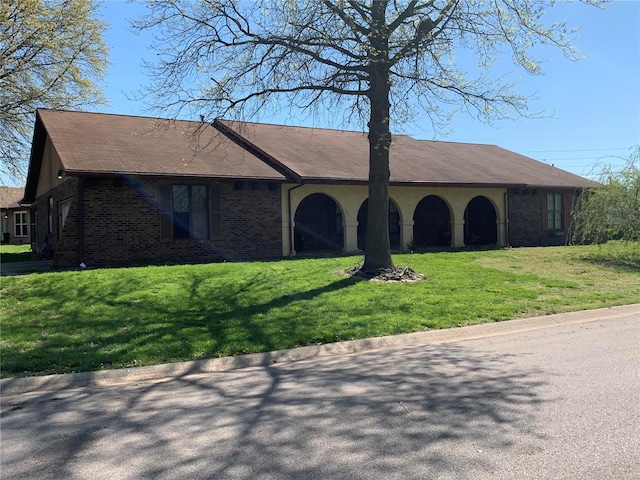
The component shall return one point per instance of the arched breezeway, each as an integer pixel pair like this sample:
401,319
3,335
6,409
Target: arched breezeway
431,223
318,225
480,225
394,225
332,218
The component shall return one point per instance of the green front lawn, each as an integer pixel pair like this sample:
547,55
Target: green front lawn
115,318
16,253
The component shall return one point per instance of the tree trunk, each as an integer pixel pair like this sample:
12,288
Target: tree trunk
377,252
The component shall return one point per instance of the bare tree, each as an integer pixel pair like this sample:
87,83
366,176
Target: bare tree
52,54
381,60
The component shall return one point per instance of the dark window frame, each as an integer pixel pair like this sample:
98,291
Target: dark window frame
184,221
555,212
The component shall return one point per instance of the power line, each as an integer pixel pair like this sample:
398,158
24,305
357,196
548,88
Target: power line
584,150
559,159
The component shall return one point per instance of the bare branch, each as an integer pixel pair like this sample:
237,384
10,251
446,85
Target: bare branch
348,20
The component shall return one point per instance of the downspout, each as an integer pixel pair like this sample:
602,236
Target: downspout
291,233
506,217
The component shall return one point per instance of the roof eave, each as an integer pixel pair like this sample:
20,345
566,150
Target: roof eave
109,173
35,160
559,187
450,184
411,183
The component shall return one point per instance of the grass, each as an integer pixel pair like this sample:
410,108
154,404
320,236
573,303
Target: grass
16,253
115,318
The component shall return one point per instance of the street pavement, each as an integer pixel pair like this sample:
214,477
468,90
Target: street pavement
23,268
550,398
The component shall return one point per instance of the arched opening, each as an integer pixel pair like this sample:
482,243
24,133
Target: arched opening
431,223
480,227
394,225
318,225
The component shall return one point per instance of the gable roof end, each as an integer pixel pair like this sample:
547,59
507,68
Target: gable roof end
107,144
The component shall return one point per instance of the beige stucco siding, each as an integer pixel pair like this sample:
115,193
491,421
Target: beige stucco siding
349,199
51,165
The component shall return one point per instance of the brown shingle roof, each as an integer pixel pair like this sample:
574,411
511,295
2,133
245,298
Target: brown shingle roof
103,143
96,143
334,155
10,196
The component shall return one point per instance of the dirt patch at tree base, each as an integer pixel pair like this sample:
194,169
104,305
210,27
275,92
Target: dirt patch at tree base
395,274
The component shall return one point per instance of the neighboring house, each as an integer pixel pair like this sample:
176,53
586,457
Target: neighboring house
16,219
119,190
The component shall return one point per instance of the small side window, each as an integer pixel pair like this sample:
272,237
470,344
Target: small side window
63,212
554,211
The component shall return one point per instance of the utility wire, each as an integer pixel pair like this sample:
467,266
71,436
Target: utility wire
584,150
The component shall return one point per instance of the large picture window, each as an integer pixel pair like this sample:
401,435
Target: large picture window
189,211
20,224
554,211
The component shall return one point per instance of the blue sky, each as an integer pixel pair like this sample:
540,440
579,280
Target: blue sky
591,107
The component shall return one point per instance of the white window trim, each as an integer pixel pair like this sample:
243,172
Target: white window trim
16,215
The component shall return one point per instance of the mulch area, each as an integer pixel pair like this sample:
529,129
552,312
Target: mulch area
395,274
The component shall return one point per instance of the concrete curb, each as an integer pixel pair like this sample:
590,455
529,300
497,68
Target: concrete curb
14,386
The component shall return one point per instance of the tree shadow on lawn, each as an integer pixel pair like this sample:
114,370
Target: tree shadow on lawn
230,317
218,320
13,257
628,260
421,412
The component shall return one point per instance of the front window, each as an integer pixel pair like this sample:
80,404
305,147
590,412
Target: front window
554,211
20,224
189,211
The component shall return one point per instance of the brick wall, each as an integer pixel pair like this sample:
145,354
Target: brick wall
122,224
52,239
528,218
525,218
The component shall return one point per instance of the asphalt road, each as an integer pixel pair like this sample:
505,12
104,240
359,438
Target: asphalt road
560,402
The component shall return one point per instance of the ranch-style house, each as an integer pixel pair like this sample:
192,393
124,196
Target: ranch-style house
111,190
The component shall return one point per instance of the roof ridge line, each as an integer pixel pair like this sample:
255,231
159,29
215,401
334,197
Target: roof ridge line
111,114
243,142
305,127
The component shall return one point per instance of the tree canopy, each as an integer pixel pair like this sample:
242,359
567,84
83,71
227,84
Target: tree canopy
52,54
610,211
379,61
